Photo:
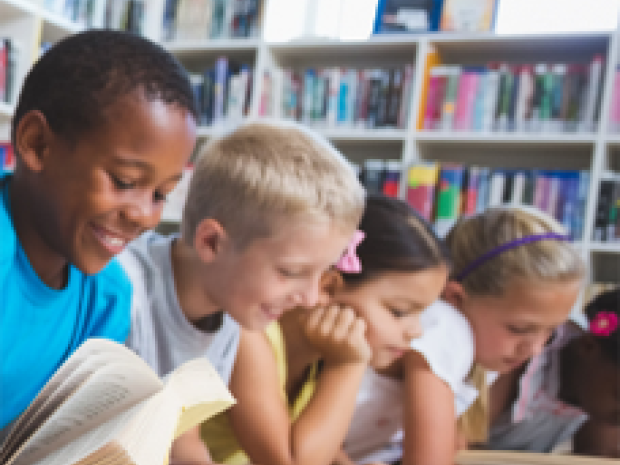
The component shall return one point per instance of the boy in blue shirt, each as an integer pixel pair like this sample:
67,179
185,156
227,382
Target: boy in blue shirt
103,127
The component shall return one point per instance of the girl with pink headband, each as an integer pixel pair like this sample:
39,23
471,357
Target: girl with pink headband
298,384
569,394
515,278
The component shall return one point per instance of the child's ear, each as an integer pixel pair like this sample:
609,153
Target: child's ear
331,282
32,139
209,239
454,294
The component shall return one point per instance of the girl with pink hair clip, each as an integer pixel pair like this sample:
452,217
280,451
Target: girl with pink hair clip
570,392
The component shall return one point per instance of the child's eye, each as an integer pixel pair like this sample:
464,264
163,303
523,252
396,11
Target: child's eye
289,273
518,330
159,196
398,313
120,184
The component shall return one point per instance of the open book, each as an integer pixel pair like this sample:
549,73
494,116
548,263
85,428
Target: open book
106,406
484,457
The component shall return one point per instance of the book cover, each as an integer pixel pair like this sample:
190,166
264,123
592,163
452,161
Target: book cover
422,179
407,16
434,99
468,15
448,197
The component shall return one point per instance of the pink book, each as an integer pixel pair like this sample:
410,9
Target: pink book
541,191
615,103
465,101
434,99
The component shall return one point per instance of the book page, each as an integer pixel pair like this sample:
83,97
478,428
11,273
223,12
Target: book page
83,354
201,391
474,457
112,389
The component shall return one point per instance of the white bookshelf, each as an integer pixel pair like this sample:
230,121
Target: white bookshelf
596,151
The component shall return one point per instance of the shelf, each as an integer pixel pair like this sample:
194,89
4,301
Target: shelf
605,247
6,111
10,9
613,140
375,52
528,138
362,135
474,48
194,49
56,26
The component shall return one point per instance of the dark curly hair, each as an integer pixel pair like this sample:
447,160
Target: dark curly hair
74,81
608,301
397,239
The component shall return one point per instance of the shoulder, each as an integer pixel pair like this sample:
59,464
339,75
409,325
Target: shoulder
9,239
447,343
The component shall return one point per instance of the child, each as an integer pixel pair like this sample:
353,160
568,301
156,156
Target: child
572,386
104,124
296,385
515,279
269,209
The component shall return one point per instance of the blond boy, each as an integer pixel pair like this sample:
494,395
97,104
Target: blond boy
270,207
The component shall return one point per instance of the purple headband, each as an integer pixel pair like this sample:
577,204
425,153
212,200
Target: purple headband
509,245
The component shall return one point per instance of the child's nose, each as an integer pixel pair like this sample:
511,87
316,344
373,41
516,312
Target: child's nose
142,212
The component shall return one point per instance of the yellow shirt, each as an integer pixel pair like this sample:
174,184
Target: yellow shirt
217,433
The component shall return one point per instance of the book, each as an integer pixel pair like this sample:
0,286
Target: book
487,457
407,16
105,405
468,15
422,179
448,198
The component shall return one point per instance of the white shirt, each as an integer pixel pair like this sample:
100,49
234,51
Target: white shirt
447,343
160,333
448,346
538,421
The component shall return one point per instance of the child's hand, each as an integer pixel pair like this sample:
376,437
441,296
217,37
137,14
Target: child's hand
338,333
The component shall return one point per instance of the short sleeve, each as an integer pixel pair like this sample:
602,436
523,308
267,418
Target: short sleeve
447,344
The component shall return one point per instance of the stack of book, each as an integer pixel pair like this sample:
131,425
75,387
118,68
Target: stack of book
8,65
443,193
210,19
125,15
371,98
606,220
81,12
380,176
223,92
506,97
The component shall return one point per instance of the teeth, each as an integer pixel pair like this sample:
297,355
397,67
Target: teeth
114,241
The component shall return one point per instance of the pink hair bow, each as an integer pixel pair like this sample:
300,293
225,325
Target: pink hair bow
350,262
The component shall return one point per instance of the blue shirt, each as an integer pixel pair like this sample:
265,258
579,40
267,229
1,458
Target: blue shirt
40,326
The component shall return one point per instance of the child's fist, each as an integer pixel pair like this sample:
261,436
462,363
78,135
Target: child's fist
338,333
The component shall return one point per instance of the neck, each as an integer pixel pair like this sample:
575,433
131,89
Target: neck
51,267
189,276
300,354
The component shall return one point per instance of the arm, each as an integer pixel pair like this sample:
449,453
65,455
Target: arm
188,449
261,419
429,417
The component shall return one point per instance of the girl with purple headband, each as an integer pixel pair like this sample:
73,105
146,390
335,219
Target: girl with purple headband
515,279
298,385
569,393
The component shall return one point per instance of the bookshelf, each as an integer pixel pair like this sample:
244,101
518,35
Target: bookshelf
597,151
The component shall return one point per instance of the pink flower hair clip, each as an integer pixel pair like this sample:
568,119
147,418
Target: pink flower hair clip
604,324
350,262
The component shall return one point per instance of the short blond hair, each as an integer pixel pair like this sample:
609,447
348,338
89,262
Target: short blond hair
263,173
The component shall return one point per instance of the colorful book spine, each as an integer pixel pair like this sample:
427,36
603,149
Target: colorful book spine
592,95
448,198
391,178
422,179
466,99
436,91
449,102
